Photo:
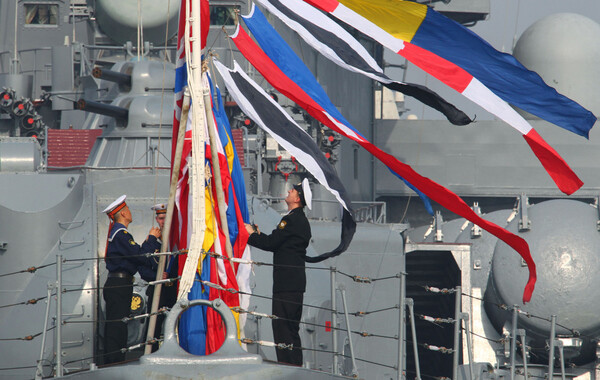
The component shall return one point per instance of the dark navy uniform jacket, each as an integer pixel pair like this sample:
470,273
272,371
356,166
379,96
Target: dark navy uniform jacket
123,254
288,242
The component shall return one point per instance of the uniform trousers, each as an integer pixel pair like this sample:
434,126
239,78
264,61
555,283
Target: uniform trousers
288,305
117,295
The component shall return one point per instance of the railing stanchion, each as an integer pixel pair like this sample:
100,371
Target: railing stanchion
561,354
39,371
334,346
401,317
513,342
465,317
551,353
59,366
524,351
354,367
413,329
456,333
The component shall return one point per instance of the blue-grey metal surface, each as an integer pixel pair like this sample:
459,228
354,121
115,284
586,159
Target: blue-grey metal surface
376,251
21,83
119,19
483,159
19,155
62,77
172,362
563,49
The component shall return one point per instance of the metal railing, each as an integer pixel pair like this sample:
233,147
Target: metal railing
513,339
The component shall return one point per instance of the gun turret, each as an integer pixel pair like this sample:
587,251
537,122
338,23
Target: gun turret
118,113
124,80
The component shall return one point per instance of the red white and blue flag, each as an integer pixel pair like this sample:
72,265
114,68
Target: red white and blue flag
468,64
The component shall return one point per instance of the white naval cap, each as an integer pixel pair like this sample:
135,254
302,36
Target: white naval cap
114,207
305,193
160,208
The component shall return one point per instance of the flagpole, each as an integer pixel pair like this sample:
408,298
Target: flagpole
217,171
169,217
197,174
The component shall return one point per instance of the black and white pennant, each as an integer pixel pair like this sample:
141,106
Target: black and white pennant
272,118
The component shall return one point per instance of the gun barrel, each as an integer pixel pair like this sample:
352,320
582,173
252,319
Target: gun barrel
103,109
113,76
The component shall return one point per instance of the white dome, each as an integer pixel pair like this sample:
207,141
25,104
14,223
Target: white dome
564,50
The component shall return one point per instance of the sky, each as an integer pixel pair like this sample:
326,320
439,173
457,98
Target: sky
507,20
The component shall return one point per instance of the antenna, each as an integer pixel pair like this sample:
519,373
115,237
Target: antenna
16,56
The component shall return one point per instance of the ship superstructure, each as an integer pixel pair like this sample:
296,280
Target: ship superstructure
86,109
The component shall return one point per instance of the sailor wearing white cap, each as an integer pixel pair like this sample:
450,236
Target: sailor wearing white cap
161,214
288,242
123,259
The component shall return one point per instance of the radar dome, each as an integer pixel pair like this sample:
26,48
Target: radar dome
118,19
563,48
564,243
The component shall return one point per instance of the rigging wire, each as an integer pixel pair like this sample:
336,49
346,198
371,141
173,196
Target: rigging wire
32,301
28,337
361,280
363,334
28,270
283,346
355,278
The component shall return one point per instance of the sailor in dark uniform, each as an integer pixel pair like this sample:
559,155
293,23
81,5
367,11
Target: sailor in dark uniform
168,292
288,242
123,259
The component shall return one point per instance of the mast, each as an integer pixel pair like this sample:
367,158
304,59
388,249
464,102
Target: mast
169,218
197,173
201,111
